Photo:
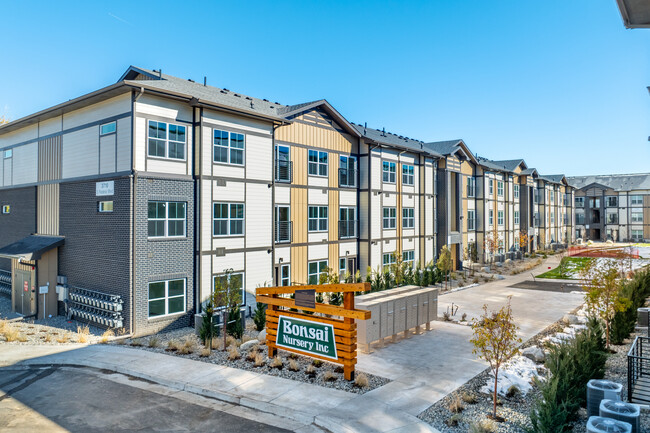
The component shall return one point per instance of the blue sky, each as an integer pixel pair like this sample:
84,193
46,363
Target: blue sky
559,83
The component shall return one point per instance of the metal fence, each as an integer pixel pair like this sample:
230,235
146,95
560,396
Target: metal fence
638,371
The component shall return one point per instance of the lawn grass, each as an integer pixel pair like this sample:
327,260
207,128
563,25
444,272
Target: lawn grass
573,267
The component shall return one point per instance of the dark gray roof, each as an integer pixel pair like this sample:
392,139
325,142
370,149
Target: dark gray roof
529,171
31,247
553,178
445,148
399,141
208,94
635,13
617,182
492,165
510,164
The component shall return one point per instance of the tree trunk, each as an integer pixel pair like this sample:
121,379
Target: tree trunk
496,381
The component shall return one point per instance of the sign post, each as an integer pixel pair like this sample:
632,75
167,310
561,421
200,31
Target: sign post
42,290
314,335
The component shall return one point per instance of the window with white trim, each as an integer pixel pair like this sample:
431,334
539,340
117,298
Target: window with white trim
491,186
516,217
227,219
552,217
388,171
500,188
580,201
500,217
108,128
105,206
317,219
167,219
166,140
491,217
637,235
552,195
471,186
317,165
611,201
228,147
166,297
390,218
8,153
636,199
408,257
408,218
285,275
388,260
315,270
516,191
407,174
636,217
471,219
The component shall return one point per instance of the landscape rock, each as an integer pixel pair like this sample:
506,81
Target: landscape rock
486,269
571,319
261,337
534,353
248,345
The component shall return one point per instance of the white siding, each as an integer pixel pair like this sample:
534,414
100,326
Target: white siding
96,112
19,136
259,270
107,148
25,164
259,226
80,153
161,107
316,252
124,144
259,157
50,126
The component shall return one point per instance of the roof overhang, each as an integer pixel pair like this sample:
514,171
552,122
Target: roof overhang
635,13
466,152
329,109
31,247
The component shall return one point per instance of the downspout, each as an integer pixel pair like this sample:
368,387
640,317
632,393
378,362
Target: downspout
133,210
370,149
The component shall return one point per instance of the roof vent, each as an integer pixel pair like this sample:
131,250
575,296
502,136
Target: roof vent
249,98
365,126
277,103
226,90
190,80
239,96
383,132
265,100
205,80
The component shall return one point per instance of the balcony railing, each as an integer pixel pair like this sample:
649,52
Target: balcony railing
347,229
348,177
283,171
638,371
612,219
283,232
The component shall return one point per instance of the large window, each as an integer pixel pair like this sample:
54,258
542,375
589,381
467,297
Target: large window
408,218
491,217
471,186
315,269
347,222
500,217
166,297
516,191
637,235
552,196
580,218
390,218
228,219
166,140
317,165
636,217
317,219
408,257
388,171
407,174
228,147
500,188
348,171
471,219
552,217
636,199
580,202
611,201
612,218
491,186
167,219
516,217
388,261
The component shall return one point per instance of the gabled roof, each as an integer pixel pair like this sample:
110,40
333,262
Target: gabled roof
635,13
511,164
31,247
452,147
617,182
291,111
393,140
529,171
554,178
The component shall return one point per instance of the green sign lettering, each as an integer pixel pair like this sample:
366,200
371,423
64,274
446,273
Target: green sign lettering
313,338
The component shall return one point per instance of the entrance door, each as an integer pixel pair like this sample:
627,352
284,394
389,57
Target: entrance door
352,265
24,293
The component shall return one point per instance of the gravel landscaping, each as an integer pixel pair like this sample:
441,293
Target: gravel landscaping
186,344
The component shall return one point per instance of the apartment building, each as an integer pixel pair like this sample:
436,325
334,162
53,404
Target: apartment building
612,207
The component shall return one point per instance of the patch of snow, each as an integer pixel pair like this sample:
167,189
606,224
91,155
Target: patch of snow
518,371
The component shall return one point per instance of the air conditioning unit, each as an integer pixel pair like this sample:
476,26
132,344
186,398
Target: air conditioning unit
598,424
628,412
642,316
598,390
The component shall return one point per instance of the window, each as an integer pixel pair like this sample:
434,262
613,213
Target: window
491,186
317,219
500,188
471,186
348,171
611,201
594,203
580,202
408,218
516,191
228,147
167,219
315,269
471,219
235,282
491,217
107,128
227,219
390,217
317,165
166,140
285,275
612,218
388,172
408,257
105,206
500,217
347,222
6,209
637,235
388,260
552,194
516,217
580,218
342,267
552,217
636,199
166,297
407,174
8,153
636,217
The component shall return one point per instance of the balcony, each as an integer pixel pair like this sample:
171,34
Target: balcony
283,171
612,218
347,229
283,232
348,178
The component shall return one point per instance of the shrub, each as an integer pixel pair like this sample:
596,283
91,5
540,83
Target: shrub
277,362
317,363
233,353
252,354
260,360
456,405
259,317
513,391
62,339
234,326
469,398
189,345
329,376
463,318
209,327
361,381
154,342
293,365
446,317
205,352
82,334
310,371
11,333
624,321
173,346
106,335
483,426
454,420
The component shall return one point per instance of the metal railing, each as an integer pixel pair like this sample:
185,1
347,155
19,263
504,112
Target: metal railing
283,171
347,229
348,177
283,232
638,371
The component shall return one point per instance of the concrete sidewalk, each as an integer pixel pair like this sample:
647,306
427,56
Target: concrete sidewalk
306,404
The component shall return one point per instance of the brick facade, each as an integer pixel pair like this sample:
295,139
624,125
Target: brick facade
20,222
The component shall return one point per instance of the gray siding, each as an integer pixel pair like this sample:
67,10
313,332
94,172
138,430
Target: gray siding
20,222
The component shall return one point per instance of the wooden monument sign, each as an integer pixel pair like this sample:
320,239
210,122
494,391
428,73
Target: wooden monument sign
328,338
